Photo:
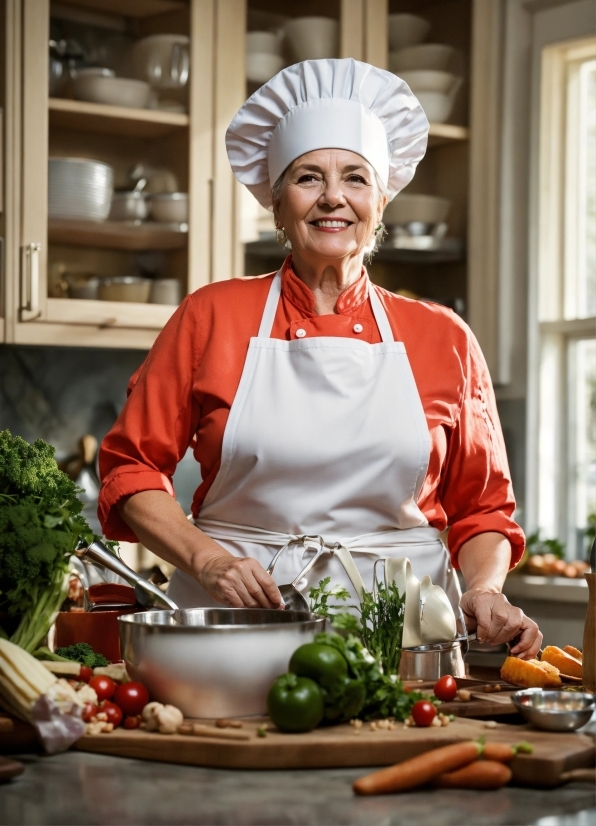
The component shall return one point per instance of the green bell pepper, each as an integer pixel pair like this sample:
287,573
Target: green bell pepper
295,704
324,664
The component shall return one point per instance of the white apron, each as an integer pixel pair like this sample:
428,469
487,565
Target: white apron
326,436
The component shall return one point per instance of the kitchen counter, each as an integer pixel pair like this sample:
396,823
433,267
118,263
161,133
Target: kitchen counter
81,788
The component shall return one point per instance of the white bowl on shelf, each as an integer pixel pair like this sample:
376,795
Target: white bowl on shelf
169,207
436,56
312,38
113,91
163,60
129,206
406,30
262,66
406,209
165,291
430,80
79,189
125,288
263,42
437,106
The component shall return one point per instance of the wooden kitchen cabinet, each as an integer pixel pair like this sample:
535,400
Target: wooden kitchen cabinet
36,312
228,234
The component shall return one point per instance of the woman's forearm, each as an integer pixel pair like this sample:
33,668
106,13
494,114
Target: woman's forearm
484,561
161,526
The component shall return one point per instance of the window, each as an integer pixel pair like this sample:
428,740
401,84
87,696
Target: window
566,294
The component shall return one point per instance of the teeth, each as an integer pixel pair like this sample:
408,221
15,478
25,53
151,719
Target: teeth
332,223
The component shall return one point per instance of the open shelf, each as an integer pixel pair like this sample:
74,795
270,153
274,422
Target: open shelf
131,8
114,120
442,133
105,314
449,250
119,235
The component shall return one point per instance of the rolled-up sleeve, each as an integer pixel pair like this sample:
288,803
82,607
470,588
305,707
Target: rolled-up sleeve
157,423
476,490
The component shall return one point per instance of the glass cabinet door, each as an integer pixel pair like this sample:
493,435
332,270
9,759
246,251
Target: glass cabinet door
115,227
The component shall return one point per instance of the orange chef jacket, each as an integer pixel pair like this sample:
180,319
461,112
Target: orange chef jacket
183,392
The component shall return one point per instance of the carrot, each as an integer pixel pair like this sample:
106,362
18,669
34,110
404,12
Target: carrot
482,774
418,770
500,752
503,753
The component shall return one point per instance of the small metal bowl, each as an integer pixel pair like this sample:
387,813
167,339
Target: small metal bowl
554,710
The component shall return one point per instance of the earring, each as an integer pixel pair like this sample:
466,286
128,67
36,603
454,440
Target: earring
281,237
380,230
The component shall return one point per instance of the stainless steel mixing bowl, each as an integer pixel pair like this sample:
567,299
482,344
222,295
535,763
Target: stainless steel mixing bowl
554,710
213,662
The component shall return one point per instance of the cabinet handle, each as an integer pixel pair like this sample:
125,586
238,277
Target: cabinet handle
30,282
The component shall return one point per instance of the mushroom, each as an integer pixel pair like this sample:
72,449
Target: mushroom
162,718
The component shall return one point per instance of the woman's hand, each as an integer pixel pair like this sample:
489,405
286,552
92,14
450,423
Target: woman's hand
160,524
496,621
240,582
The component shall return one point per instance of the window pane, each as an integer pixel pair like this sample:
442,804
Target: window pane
582,376
581,170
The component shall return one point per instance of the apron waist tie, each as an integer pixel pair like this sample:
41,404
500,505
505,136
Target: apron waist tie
365,543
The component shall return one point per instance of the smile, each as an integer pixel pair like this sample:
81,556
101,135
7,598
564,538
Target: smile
329,224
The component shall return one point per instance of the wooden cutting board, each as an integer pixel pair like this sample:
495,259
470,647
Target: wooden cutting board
340,746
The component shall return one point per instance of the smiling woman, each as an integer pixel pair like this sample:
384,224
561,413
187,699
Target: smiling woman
320,407
329,204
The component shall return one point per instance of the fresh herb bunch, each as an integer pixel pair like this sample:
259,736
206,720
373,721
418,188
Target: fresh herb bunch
40,526
381,622
81,652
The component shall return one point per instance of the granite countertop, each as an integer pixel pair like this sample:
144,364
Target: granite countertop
83,788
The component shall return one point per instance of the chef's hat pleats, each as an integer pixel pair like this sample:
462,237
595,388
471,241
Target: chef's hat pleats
328,104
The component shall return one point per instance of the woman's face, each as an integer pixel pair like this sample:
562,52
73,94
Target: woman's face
330,204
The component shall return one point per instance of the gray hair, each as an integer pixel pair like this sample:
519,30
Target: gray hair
372,244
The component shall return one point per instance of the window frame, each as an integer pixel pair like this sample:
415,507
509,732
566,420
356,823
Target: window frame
552,332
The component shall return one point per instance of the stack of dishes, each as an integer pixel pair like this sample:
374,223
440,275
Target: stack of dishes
263,56
98,85
312,38
423,66
79,189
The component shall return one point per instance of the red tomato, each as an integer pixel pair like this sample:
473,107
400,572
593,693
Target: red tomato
86,673
89,711
446,689
104,687
131,697
113,713
131,722
423,713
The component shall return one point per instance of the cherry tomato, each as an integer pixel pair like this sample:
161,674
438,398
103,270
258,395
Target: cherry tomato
104,687
89,711
113,713
423,713
446,689
86,673
131,697
132,722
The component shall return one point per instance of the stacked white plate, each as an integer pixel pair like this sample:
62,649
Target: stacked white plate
79,189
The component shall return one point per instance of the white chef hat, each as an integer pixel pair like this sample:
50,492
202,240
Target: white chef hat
327,104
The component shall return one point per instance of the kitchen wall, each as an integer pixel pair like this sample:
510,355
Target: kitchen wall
60,393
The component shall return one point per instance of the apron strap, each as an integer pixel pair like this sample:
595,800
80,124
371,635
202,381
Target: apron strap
273,299
270,307
380,316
